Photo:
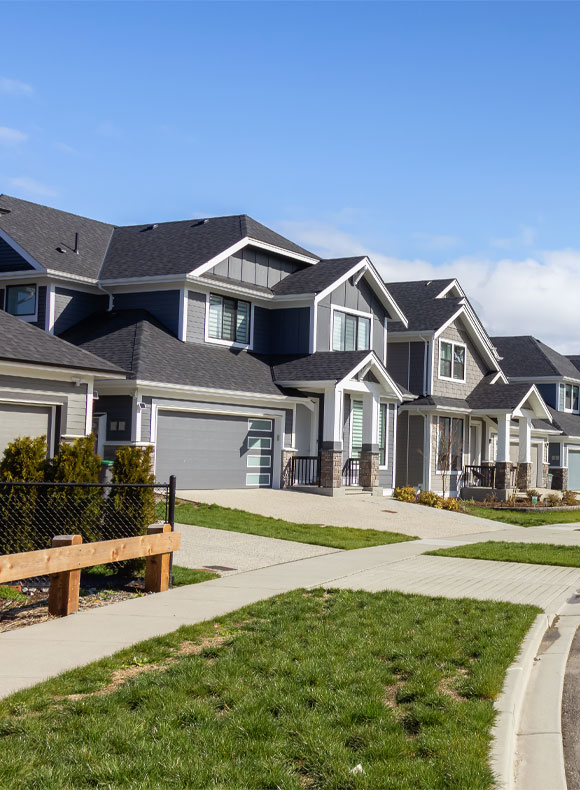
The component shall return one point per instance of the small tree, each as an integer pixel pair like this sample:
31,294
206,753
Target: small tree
24,460
72,509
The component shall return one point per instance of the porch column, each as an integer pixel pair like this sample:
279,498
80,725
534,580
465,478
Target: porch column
331,450
369,457
502,457
524,474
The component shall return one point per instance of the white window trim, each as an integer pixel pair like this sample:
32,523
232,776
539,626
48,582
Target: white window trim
260,439
257,485
259,466
258,430
29,318
566,410
229,343
453,344
359,314
386,464
439,471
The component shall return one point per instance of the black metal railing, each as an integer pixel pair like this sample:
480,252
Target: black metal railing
351,472
480,476
305,470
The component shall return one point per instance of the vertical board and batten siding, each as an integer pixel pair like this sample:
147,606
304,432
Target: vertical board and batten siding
164,305
261,332
290,330
356,297
256,267
73,399
71,307
10,260
406,364
475,367
386,475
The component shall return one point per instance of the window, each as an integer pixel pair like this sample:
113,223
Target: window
383,422
449,444
356,429
451,361
257,479
259,425
259,460
258,443
568,400
350,332
229,319
21,300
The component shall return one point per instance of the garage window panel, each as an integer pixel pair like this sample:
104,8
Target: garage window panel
259,425
259,460
257,479
259,443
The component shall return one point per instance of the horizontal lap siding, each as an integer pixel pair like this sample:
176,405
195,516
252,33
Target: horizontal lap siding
386,475
146,419
41,319
303,426
195,317
72,398
72,306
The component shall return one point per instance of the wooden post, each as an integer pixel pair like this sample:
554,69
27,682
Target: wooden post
157,566
63,596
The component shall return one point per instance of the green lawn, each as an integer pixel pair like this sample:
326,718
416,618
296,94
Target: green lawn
502,551
217,517
292,693
524,519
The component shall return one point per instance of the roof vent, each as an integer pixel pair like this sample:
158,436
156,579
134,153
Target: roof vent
4,210
149,227
200,222
60,249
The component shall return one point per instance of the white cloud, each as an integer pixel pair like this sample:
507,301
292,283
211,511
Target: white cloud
536,295
14,86
11,137
525,238
429,241
32,187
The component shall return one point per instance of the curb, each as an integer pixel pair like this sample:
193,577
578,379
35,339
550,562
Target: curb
510,703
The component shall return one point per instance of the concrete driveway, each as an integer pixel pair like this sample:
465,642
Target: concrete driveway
351,510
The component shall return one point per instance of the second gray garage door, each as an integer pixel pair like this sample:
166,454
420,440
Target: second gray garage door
214,450
21,420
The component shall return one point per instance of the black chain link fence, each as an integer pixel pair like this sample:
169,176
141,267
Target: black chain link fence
31,514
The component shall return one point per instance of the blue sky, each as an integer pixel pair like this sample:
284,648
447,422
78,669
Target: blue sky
441,138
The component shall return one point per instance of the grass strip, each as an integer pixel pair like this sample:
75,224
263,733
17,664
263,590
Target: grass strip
291,692
523,519
504,551
217,517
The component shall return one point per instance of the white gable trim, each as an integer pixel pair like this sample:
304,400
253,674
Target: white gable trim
481,341
21,251
453,285
246,241
372,362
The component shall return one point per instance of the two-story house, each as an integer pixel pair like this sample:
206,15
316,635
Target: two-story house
249,357
557,377
458,430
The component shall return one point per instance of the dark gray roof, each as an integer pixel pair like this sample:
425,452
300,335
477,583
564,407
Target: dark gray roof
525,356
321,366
136,340
419,303
569,424
544,425
22,342
39,230
180,247
497,396
441,401
315,278
575,361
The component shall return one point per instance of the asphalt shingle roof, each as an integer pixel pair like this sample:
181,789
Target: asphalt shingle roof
22,342
525,356
137,341
39,230
575,360
321,366
419,303
441,401
569,424
315,278
497,396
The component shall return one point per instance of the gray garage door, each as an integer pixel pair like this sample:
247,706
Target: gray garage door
574,470
214,451
21,420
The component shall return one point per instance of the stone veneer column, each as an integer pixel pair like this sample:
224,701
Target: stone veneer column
524,476
286,468
369,468
502,474
559,478
331,468
545,473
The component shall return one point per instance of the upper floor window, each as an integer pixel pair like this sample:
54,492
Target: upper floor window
350,332
569,398
452,361
229,319
21,300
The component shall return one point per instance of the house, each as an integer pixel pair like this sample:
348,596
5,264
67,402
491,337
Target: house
465,427
251,362
47,386
557,377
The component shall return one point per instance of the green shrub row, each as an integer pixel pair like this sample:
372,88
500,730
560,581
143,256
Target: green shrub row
30,516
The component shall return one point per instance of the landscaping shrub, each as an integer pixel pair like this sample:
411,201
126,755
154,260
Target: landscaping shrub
405,494
452,504
75,510
552,500
24,460
430,499
569,498
532,492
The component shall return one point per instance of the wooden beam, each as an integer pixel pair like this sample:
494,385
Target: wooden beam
63,595
157,567
67,558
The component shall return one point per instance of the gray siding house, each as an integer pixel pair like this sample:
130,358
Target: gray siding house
251,362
